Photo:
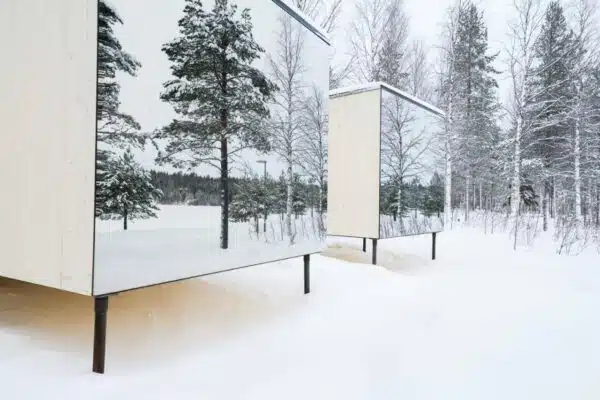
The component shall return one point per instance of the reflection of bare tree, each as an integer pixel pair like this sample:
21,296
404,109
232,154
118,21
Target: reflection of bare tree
287,73
326,13
313,146
402,146
412,224
419,70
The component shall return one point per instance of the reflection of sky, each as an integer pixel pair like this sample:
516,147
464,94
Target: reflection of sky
420,122
149,24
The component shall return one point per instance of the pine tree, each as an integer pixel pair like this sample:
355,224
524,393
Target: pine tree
114,127
299,199
249,203
219,96
128,190
102,164
255,198
475,95
551,89
434,201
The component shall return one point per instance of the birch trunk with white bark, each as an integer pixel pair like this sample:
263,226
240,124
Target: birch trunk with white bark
289,200
577,175
448,172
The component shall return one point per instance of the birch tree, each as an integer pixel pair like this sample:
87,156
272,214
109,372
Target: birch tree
378,37
448,87
585,58
523,34
287,122
326,14
313,146
419,71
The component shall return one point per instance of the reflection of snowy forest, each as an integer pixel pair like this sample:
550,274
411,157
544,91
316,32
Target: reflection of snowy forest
412,191
230,96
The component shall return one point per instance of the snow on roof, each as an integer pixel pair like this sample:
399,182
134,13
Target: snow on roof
367,87
303,19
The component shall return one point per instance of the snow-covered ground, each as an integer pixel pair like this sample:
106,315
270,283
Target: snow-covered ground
481,322
184,241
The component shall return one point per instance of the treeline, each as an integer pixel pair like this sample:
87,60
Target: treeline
417,197
247,195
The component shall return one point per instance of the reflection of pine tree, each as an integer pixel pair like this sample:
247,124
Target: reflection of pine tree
254,199
114,127
434,201
102,160
299,196
389,202
219,96
415,194
128,189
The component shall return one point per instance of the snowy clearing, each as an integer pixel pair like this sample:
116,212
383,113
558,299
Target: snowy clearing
184,241
482,322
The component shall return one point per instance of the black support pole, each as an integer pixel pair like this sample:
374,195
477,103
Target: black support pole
364,245
100,311
374,251
433,235
306,273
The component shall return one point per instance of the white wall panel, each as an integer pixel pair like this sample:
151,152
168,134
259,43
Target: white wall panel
354,148
47,141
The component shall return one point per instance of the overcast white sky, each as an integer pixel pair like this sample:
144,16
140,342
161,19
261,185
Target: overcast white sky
148,24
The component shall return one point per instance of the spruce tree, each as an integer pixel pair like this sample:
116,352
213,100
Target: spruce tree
553,53
129,191
114,127
219,96
476,100
434,200
299,199
253,199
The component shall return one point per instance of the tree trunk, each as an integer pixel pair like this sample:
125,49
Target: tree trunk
588,202
224,186
516,180
467,198
399,208
577,173
448,170
320,203
290,199
480,195
125,219
545,208
597,205
552,199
